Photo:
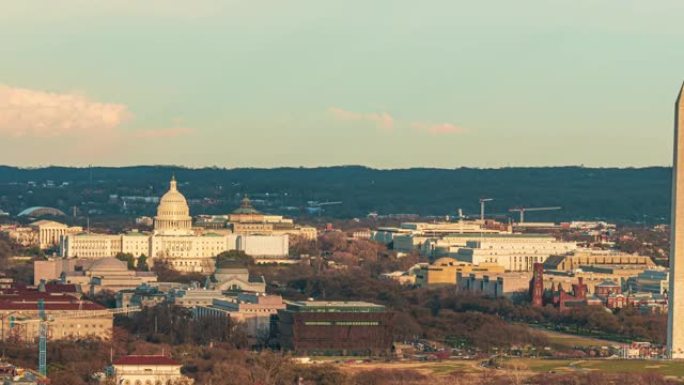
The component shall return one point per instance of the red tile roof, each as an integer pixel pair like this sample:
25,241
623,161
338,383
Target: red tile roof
145,360
12,305
61,288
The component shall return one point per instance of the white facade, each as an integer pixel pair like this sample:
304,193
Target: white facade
513,254
174,241
253,310
50,232
449,245
148,370
410,236
264,245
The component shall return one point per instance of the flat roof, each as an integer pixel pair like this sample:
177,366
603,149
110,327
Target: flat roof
334,306
145,360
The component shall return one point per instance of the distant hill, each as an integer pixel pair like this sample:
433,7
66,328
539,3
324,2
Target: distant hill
622,195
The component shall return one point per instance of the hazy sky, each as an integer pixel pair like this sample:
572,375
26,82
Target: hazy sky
384,83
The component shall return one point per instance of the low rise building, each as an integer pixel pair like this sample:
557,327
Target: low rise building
22,236
590,257
335,328
91,275
514,254
246,220
148,370
410,236
653,281
401,277
50,232
191,297
43,233
495,285
444,271
144,295
68,317
254,310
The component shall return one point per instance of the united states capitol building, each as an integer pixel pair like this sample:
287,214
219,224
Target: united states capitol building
174,240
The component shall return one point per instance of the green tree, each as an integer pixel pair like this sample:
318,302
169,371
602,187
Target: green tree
128,258
234,258
142,263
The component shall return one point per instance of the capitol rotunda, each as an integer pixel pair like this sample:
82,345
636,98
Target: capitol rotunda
173,213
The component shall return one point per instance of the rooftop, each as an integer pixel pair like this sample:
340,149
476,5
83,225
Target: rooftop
33,305
246,207
334,306
145,360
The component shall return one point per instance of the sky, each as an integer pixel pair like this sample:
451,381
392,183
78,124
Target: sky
382,83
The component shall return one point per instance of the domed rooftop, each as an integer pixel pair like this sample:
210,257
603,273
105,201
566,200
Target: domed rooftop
108,264
39,211
246,207
173,213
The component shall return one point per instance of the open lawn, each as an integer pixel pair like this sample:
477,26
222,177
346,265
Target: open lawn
666,368
560,340
529,365
429,368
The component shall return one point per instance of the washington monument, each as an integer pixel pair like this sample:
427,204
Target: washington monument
675,317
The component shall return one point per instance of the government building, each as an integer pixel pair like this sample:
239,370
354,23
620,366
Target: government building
174,240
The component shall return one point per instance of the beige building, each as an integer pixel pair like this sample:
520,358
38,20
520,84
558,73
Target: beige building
23,236
449,245
50,232
589,257
401,277
410,236
91,275
444,271
148,370
246,220
253,310
174,241
42,233
514,254
69,317
495,285
225,281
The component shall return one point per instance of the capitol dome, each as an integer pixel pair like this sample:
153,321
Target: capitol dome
173,213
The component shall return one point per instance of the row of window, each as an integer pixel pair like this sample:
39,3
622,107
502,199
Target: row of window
341,323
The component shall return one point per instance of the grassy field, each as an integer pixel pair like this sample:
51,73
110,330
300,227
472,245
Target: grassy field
428,368
530,365
563,340
666,368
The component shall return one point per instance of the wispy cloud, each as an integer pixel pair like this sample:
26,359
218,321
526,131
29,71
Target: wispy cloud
382,120
41,114
26,113
388,123
438,129
163,133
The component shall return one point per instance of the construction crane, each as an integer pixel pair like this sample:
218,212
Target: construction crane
522,210
43,322
482,206
42,341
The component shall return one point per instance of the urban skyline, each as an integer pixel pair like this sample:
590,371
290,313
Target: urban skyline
392,85
231,192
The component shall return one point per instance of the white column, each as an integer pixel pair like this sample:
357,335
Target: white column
675,319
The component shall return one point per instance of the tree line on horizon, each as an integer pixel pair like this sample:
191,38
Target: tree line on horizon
624,195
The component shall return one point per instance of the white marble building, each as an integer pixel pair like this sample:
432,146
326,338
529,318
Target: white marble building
174,240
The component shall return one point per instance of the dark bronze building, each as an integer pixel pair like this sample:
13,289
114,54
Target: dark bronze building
335,328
